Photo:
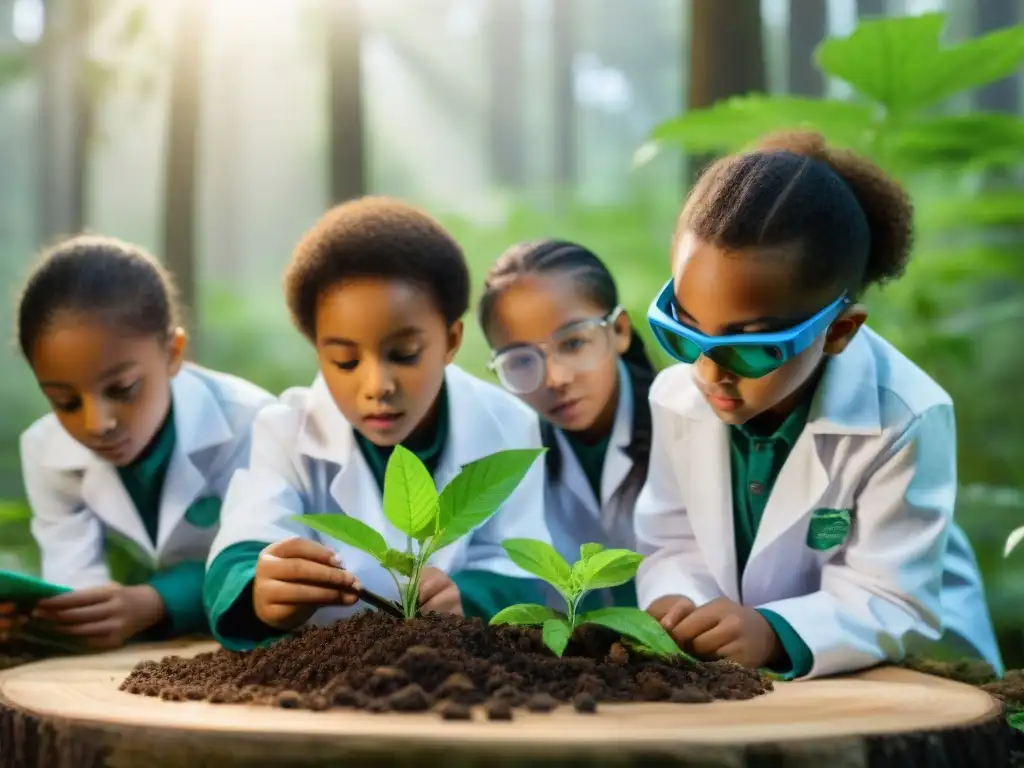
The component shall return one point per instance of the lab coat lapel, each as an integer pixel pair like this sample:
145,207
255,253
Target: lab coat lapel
846,403
617,463
199,425
105,494
573,478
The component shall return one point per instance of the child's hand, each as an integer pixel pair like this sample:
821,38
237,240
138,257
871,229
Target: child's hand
670,610
727,630
9,620
438,593
294,578
103,617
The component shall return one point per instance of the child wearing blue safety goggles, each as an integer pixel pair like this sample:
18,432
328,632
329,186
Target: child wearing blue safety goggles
798,509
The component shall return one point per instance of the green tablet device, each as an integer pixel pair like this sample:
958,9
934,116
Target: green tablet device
23,589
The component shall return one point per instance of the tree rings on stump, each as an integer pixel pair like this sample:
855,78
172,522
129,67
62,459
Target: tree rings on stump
70,713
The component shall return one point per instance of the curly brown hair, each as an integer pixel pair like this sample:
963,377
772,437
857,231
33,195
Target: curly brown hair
375,236
852,223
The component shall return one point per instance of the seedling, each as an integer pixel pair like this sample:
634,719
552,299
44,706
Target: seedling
597,568
430,520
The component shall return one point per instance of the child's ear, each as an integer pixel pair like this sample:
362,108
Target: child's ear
844,328
176,349
454,340
623,330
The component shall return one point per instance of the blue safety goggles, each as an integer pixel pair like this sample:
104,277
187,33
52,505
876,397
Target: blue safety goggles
749,355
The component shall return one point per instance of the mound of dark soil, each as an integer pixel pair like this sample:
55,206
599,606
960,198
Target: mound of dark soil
446,663
969,671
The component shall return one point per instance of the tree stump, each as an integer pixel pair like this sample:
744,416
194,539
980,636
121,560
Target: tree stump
69,713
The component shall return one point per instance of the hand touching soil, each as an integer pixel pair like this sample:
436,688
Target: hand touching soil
438,593
670,611
296,577
103,617
723,629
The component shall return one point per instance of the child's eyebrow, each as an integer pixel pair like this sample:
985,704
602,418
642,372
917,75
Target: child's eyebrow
769,322
110,372
338,341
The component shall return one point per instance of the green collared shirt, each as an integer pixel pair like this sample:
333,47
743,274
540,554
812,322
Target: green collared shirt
180,587
756,460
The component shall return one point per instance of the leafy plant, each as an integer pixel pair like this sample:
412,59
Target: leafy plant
430,520
597,568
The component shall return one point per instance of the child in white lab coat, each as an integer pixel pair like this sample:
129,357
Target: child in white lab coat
379,289
125,476
798,512
563,344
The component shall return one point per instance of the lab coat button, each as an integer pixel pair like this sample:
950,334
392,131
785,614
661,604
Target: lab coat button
756,488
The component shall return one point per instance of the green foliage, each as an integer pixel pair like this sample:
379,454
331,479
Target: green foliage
597,568
413,506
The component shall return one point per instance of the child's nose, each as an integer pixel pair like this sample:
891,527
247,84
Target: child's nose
711,372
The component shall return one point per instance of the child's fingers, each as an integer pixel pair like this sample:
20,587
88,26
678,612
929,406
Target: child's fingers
308,572
291,593
713,641
432,584
77,599
87,614
678,611
698,622
302,549
108,626
446,601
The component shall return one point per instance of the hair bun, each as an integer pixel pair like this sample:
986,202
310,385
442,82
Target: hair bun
804,143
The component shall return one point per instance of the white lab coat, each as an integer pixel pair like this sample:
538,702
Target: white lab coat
305,461
77,498
879,442
575,516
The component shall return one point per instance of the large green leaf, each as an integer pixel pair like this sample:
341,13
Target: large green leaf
349,531
410,498
974,141
902,64
736,123
610,568
523,614
638,625
556,634
479,490
540,559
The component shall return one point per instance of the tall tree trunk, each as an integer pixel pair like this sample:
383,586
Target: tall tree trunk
989,16
345,96
505,48
179,220
726,56
65,119
564,45
867,9
808,26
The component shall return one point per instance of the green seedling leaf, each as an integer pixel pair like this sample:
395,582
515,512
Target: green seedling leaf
479,490
523,614
587,551
400,562
556,634
410,498
349,531
638,625
540,559
610,568
902,63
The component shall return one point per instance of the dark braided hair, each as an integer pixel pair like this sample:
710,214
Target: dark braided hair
116,281
852,223
595,282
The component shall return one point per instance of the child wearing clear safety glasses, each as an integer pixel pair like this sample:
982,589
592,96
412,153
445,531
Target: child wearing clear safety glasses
550,311
798,511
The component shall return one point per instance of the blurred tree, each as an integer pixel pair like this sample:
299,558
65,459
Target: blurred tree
345,85
564,45
505,23
726,56
1002,95
66,107
183,115
869,8
808,26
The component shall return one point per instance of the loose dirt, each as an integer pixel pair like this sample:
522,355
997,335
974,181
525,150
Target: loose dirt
443,663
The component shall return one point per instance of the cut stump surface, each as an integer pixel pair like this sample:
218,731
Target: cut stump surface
69,712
